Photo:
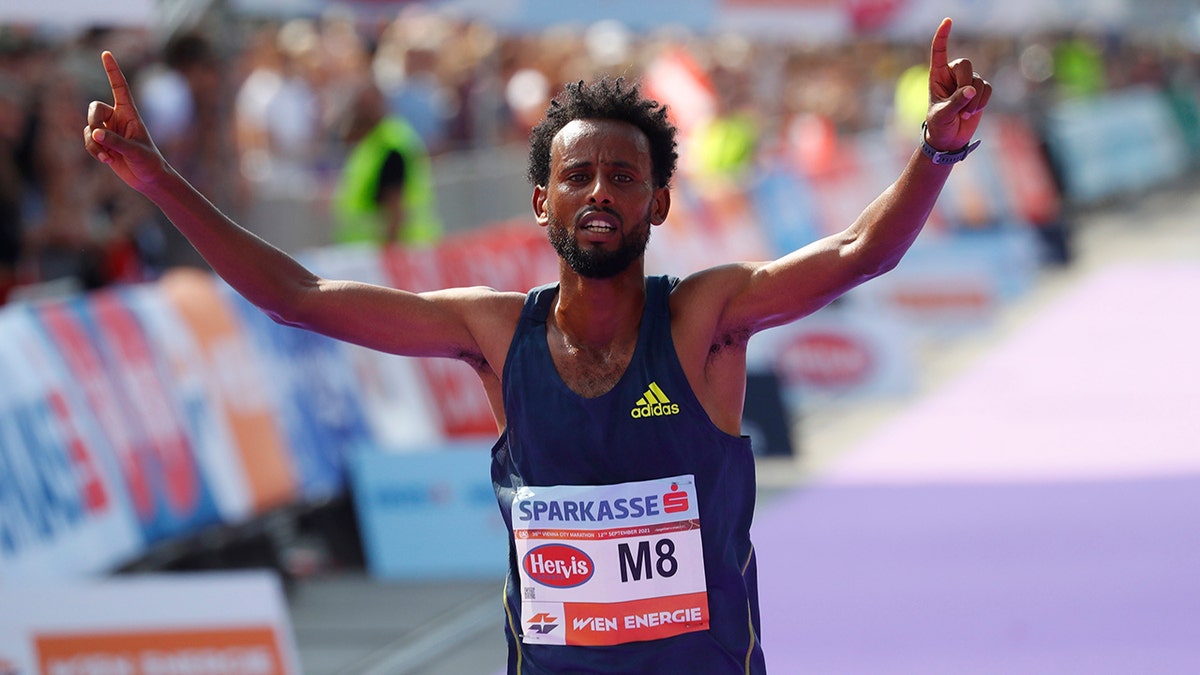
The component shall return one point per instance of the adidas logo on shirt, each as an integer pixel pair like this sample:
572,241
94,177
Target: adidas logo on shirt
654,403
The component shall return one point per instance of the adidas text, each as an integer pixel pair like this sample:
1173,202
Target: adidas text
655,410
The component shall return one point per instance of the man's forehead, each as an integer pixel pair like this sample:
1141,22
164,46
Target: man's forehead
587,136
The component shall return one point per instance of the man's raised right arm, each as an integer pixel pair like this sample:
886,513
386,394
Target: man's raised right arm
442,323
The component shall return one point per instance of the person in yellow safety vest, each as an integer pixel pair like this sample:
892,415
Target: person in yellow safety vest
1079,67
912,97
386,191
724,147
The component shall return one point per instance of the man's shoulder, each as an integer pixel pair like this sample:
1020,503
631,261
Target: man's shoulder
708,285
700,306
479,299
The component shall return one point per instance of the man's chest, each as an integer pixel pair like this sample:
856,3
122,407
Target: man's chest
590,371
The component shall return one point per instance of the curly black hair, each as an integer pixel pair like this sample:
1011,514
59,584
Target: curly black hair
607,99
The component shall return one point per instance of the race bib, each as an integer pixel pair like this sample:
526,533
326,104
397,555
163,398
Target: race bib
609,564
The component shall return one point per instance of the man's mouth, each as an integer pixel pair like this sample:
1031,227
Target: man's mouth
598,222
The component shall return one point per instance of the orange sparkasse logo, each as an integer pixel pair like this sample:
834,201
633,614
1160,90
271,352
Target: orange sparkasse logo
246,651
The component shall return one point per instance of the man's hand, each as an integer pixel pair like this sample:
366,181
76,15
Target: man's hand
116,135
957,96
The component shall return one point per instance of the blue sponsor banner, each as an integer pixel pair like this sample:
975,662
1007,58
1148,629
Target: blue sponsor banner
1007,254
1121,143
786,209
37,499
144,419
63,509
430,513
317,396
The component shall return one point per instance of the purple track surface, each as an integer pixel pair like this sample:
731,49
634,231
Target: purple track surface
1040,513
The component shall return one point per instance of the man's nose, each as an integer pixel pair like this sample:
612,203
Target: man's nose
601,192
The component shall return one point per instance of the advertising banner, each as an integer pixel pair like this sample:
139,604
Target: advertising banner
315,395
867,165
1025,171
239,382
786,208
936,296
201,624
395,400
1128,142
706,229
461,401
842,353
145,383
430,514
125,385
64,511
975,197
506,256
189,381
954,283
410,268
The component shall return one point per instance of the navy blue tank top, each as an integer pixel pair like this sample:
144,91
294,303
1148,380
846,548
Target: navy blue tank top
649,426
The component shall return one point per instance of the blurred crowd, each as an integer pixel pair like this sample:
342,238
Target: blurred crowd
248,107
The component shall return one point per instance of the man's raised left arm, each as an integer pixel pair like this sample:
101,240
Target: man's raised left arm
762,295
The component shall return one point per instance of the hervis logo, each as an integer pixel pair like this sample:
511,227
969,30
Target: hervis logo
654,403
559,565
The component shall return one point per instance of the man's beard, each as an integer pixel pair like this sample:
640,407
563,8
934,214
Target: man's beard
597,263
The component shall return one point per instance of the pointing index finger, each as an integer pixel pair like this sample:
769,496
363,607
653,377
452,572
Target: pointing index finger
938,59
116,79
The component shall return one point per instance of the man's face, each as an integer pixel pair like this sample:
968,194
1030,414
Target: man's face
601,200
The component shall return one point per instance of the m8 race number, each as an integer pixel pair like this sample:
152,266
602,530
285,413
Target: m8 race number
636,565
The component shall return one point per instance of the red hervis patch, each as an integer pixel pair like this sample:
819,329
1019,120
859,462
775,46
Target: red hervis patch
826,359
558,566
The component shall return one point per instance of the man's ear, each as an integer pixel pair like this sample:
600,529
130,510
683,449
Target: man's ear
661,206
539,206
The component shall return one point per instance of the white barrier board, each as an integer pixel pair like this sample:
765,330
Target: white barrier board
201,624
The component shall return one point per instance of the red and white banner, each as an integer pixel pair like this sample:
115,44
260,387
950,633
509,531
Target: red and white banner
203,624
399,407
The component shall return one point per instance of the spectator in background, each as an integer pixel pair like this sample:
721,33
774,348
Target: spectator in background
277,112
295,73
60,244
181,108
911,98
12,126
724,147
1079,67
386,192
405,68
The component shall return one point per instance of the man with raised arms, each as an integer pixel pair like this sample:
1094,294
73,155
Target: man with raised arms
568,366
